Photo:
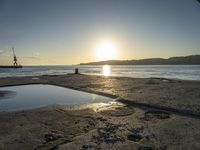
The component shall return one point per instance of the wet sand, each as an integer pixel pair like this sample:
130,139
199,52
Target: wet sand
157,114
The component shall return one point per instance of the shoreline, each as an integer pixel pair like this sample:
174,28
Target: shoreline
91,86
100,75
116,127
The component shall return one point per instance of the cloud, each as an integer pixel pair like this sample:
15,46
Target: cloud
2,51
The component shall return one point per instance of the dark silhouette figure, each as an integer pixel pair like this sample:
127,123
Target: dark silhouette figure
76,71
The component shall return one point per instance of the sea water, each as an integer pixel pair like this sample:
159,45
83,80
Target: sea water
186,72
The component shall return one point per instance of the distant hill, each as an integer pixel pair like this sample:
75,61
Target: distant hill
186,60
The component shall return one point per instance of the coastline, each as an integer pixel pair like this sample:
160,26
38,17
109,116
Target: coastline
130,126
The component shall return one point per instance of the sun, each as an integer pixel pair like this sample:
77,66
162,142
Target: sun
106,51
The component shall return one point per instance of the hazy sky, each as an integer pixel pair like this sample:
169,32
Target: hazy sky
68,31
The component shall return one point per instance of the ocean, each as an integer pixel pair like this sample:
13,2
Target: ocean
186,72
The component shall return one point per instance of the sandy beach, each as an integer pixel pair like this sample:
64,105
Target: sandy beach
152,114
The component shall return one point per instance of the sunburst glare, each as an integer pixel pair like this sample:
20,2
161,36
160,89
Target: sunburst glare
106,51
106,70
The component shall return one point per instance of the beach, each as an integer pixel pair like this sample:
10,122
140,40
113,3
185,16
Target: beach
149,114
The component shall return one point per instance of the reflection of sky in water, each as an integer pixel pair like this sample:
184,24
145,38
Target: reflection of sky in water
7,94
34,96
93,97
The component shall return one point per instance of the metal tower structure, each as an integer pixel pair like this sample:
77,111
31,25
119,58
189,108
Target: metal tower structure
14,58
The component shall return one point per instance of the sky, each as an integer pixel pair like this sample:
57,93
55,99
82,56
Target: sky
65,32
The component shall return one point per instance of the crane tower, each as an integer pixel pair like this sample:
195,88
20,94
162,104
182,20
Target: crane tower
14,58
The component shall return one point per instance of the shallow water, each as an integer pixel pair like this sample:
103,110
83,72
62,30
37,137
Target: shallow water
35,96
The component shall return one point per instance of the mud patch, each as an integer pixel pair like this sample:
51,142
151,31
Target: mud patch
155,115
108,134
152,148
135,134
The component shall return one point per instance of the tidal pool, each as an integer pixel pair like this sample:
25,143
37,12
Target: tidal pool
39,95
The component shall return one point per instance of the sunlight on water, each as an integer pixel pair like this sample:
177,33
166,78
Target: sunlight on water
185,72
106,70
98,107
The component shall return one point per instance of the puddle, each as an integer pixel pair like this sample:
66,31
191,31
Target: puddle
36,96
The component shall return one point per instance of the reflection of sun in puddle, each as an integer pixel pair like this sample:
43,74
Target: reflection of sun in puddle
98,107
35,78
106,70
